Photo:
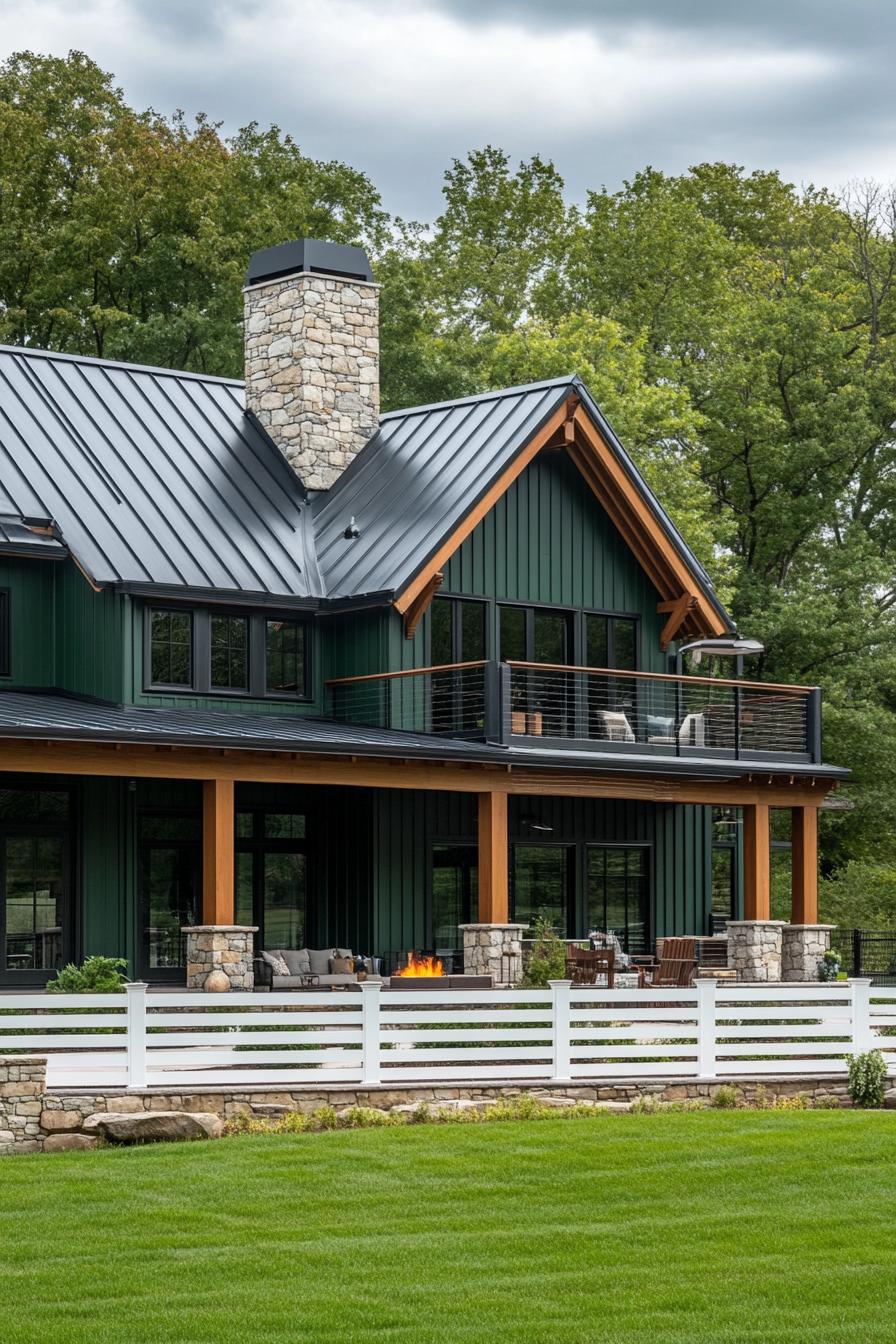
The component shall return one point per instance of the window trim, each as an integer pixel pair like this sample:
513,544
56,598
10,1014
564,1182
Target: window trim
201,652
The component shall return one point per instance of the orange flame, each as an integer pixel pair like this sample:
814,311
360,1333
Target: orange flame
421,966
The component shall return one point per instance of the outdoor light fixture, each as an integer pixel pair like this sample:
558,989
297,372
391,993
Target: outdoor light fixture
540,826
353,531
728,646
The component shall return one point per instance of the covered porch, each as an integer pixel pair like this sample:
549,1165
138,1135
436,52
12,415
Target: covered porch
380,853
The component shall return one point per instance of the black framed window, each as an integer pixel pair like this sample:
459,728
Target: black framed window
285,657
272,876
618,893
5,619
542,884
208,651
170,647
455,893
457,630
229,668
36,934
169,869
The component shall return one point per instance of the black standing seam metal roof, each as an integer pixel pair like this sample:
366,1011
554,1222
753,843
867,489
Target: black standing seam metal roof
152,477
423,470
54,717
159,481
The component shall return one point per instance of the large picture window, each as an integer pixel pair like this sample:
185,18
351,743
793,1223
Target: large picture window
35,926
542,885
169,866
455,893
272,876
285,657
618,894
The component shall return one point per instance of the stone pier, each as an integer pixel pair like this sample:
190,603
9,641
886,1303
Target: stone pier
802,948
754,949
219,957
495,950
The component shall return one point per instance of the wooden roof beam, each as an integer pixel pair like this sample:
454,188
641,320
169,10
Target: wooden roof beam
677,612
420,604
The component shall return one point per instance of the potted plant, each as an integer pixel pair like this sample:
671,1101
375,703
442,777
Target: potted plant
829,966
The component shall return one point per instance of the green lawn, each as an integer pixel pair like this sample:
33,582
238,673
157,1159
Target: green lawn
678,1227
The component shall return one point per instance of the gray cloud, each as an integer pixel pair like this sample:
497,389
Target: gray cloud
603,87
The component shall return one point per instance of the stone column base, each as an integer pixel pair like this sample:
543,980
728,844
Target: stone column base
219,957
754,949
22,1083
802,948
495,950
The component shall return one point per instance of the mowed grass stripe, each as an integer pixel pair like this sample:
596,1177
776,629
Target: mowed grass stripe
684,1227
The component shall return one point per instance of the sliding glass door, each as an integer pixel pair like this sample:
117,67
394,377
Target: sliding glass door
272,877
618,893
542,885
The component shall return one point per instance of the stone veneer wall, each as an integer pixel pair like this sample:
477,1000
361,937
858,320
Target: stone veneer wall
21,1087
32,1119
802,948
754,949
495,950
312,369
220,952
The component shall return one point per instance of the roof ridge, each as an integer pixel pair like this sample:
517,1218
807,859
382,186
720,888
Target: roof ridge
491,395
34,353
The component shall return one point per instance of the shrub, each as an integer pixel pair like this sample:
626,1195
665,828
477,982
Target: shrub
867,1079
724,1098
548,959
829,966
98,975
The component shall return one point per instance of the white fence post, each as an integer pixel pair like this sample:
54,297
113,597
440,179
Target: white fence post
136,1028
706,1028
370,1033
862,1038
560,1004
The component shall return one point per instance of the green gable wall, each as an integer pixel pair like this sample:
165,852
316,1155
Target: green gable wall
548,541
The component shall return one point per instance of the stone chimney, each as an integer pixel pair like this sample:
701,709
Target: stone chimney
312,354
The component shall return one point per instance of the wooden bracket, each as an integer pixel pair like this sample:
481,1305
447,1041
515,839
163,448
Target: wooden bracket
414,613
678,612
569,428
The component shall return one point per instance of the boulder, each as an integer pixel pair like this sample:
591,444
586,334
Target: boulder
64,1143
52,1122
153,1126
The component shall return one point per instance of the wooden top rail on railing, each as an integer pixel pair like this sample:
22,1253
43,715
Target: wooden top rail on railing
624,674
618,672
406,672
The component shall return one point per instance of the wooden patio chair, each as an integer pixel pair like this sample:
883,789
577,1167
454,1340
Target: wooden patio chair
675,968
583,967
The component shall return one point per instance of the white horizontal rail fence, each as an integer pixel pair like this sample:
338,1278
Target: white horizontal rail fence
382,1036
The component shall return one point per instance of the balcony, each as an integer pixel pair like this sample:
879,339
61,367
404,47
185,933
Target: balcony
589,709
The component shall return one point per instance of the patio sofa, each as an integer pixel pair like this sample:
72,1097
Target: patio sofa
326,964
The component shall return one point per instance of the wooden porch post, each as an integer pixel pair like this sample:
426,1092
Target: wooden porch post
804,866
757,862
493,887
217,851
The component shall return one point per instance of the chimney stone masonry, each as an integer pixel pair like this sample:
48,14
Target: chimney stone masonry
312,354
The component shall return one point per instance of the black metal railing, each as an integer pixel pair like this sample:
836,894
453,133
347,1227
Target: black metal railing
868,953
603,708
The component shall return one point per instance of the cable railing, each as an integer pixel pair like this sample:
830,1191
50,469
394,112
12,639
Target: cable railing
673,714
604,709
448,699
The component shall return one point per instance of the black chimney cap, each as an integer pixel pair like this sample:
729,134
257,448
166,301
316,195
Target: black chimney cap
308,255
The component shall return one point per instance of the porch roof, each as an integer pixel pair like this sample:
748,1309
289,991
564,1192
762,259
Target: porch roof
56,717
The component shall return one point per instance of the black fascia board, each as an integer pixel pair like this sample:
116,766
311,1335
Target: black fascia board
217,596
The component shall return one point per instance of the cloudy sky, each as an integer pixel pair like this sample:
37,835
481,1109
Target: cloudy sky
603,87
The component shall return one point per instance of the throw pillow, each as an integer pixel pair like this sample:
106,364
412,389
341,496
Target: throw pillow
320,960
276,962
341,966
297,960
342,952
